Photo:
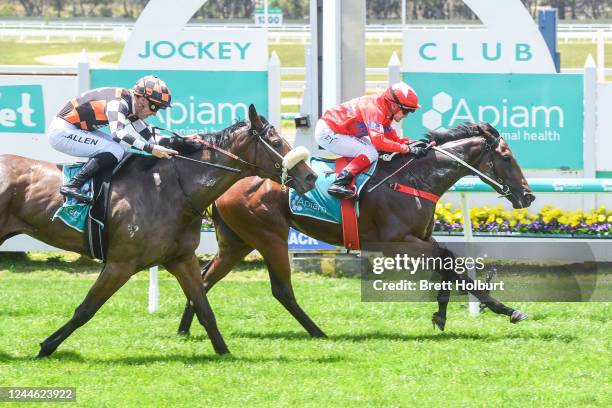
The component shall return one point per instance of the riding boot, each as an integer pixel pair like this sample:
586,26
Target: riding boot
89,169
342,187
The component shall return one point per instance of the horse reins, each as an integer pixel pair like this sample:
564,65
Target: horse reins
505,189
231,155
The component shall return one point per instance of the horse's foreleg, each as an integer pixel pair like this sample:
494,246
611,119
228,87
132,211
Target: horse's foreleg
187,272
439,318
213,272
277,260
112,277
492,303
188,312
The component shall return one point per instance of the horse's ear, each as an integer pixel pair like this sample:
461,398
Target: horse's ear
254,118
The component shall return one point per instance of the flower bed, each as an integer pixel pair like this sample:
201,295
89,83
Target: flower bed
495,220
549,220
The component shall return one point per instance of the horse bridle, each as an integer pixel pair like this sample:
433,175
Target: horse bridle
260,135
488,147
284,171
491,146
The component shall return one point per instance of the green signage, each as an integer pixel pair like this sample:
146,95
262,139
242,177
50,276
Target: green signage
22,109
539,115
202,101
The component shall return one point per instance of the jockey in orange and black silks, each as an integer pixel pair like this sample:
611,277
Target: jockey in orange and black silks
361,127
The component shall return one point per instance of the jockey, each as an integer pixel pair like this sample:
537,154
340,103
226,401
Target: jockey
361,127
74,130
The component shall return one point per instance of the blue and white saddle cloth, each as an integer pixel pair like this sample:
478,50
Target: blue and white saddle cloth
318,203
74,213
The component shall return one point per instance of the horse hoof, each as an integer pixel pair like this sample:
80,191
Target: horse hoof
438,321
517,316
44,352
318,334
222,351
183,333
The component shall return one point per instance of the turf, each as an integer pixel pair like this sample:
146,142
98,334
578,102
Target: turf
377,354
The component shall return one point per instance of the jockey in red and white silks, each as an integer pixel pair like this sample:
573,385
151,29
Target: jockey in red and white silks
361,127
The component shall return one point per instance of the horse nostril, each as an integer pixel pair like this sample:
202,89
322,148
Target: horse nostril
311,177
529,197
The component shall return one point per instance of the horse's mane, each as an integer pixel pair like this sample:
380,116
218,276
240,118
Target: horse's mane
220,139
457,133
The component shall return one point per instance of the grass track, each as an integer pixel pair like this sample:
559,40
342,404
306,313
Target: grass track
378,354
573,55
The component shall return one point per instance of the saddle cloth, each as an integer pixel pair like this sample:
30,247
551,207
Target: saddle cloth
90,219
74,213
318,203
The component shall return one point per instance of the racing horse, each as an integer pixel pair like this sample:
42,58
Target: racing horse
155,210
254,214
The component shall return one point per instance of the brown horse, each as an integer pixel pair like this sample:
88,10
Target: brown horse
154,216
254,214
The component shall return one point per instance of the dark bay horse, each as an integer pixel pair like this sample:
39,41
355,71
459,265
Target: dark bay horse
154,216
254,214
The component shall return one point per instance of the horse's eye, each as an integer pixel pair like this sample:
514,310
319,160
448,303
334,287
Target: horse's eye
506,158
276,143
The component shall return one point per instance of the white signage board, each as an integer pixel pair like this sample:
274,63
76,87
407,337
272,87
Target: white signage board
170,47
509,42
32,109
603,139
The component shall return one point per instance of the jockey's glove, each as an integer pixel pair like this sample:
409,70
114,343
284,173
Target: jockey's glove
417,151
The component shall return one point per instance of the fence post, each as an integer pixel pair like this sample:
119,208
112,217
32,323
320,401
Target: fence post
395,76
590,128
474,306
274,90
153,290
83,74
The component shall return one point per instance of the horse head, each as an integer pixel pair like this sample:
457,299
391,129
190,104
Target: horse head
498,163
274,158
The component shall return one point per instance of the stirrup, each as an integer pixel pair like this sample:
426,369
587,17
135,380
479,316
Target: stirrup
77,195
345,195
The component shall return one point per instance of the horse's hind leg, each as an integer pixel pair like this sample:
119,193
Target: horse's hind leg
112,277
279,269
187,272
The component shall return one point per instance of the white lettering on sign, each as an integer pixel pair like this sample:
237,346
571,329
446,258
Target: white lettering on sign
174,48
497,47
297,238
9,117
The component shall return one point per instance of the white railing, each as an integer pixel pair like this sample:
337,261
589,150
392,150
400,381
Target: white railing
285,33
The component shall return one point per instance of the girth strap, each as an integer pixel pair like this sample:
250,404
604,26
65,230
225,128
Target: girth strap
413,191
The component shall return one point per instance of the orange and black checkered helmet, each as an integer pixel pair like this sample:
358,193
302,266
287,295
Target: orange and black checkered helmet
154,89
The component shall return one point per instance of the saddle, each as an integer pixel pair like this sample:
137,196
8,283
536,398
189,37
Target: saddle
90,219
319,204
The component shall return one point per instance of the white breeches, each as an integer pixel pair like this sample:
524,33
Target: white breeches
344,145
69,139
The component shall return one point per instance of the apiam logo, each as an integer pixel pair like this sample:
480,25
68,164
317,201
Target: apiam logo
499,113
432,119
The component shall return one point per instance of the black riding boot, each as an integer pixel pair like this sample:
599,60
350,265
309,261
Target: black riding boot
93,165
341,187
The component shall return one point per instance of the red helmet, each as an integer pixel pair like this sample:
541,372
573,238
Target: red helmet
403,96
154,89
